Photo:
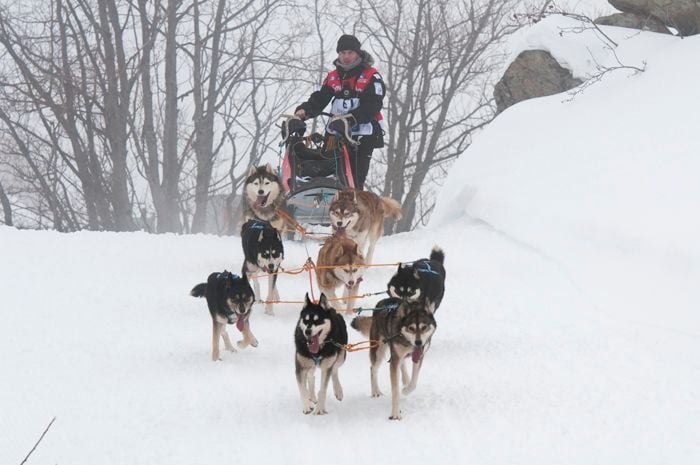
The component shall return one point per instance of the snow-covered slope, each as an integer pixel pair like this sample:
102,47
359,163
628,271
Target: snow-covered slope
568,333
605,184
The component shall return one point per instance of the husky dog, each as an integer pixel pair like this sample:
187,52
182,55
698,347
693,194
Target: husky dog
360,215
405,328
263,196
230,300
263,251
319,336
423,279
339,263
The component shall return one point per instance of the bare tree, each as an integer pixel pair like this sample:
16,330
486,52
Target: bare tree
437,57
73,72
156,145
223,55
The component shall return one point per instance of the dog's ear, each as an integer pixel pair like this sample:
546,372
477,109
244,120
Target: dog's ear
269,168
307,301
252,170
415,274
430,307
262,234
323,301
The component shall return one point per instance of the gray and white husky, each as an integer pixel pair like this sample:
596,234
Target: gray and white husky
263,196
406,329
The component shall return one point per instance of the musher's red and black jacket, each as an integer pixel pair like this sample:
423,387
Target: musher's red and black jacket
359,91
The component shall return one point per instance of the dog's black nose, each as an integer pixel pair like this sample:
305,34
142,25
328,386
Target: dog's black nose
307,332
261,192
339,223
271,267
419,343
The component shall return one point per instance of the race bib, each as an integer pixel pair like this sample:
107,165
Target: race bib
343,106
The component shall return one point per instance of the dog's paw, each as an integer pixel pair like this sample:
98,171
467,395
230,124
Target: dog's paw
395,417
338,393
408,389
254,342
320,411
307,410
269,311
242,344
377,393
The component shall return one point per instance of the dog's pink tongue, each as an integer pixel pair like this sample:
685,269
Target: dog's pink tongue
240,323
314,345
417,354
260,200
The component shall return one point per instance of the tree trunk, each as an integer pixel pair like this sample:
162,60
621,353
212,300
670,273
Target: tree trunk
204,117
171,165
6,206
116,110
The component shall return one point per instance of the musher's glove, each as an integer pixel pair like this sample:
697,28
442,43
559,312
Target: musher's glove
342,125
292,126
296,126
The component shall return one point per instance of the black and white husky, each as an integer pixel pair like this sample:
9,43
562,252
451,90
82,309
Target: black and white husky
421,280
230,300
405,329
263,196
264,252
319,336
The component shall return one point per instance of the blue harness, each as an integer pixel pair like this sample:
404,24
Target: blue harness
426,268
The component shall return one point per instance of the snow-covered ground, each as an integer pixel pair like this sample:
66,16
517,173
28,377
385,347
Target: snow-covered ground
569,332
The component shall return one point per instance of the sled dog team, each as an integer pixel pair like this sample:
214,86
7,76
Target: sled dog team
401,325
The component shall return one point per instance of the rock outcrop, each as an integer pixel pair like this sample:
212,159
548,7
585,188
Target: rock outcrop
534,73
633,21
683,15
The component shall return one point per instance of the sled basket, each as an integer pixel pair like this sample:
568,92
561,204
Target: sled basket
310,179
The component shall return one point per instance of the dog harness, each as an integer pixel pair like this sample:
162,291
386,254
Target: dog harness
259,224
227,275
426,268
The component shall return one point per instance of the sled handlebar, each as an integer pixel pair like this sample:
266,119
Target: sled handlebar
287,118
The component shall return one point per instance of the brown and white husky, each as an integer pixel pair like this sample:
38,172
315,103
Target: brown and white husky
406,329
360,216
339,263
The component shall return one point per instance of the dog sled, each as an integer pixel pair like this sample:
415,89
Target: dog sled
314,168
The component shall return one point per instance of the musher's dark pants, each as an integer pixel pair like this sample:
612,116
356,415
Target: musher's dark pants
360,157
